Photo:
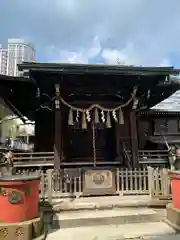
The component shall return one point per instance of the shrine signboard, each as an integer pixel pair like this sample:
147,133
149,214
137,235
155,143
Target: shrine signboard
99,182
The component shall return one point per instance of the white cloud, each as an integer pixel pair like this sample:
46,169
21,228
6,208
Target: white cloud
111,56
94,48
142,32
126,56
82,56
138,32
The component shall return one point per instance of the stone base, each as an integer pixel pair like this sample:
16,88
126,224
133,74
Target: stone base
173,217
28,230
99,182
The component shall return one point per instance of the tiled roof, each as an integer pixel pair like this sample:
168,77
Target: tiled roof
171,104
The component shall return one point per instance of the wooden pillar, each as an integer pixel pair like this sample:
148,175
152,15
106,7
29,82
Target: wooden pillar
134,139
57,130
118,150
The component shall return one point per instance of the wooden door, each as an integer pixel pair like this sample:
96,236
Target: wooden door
80,142
105,142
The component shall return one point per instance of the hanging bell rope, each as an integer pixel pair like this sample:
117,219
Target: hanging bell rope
94,145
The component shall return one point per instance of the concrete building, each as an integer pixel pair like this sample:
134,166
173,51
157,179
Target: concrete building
3,60
18,51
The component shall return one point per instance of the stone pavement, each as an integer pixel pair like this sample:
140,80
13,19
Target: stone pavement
156,231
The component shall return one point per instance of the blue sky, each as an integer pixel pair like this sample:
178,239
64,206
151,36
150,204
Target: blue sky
139,32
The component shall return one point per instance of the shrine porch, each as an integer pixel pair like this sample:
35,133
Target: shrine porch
38,160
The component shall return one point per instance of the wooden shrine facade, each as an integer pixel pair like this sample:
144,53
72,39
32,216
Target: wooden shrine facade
87,114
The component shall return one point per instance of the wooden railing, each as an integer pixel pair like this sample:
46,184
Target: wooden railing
153,156
149,181
132,181
145,157
33,159
159,183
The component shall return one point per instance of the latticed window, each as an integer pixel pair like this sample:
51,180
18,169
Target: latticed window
161,126
171,126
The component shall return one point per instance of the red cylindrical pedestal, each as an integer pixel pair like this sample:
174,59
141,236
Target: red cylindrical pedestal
19,197
175,187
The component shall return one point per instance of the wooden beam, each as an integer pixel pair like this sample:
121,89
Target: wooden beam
134,138
57,130
57,139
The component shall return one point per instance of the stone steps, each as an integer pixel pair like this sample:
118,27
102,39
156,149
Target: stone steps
102,217
136,231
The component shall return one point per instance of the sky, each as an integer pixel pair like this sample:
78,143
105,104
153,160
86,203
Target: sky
133,32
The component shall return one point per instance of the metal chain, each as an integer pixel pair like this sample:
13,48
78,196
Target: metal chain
94,144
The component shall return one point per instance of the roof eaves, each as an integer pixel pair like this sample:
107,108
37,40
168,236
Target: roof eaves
85,68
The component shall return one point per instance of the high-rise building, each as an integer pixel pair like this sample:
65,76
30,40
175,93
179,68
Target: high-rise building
3,60
18,51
